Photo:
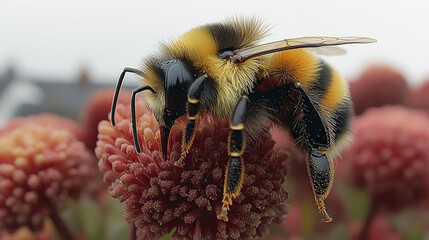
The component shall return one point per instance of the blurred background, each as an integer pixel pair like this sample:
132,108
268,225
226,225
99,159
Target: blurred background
91,41
54,55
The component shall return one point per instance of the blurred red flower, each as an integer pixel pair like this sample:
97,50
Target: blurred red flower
379,229
159,197
377,86
47,120
40,166
389,157
420,97
96,109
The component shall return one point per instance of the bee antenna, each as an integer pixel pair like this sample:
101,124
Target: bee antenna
133,114
118,88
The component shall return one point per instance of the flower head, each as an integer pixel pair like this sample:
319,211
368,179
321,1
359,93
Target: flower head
378,86
390,156
420,97
39,166
45,119
159,196
96,109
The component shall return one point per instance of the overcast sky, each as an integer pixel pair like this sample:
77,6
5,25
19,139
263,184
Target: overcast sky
56,38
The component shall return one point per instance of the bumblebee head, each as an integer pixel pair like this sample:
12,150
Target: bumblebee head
177,78
169,97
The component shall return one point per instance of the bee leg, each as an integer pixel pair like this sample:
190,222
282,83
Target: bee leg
235,168
133,115
192,110
321,171
320,166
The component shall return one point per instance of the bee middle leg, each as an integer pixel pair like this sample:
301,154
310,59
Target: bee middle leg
320,166
192,110
235,168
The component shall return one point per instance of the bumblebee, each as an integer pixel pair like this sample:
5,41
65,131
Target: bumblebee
221,68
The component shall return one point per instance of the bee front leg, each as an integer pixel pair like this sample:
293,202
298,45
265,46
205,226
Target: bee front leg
320,166
235,168
192,110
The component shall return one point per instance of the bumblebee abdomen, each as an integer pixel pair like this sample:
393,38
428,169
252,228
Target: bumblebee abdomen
326,88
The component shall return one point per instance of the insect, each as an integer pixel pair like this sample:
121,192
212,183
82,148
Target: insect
220,68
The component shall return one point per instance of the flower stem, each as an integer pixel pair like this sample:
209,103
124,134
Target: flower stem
133,235
62,229
371,214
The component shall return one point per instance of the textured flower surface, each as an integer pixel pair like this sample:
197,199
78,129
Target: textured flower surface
39,166
390,156
45,119
160,197
378,86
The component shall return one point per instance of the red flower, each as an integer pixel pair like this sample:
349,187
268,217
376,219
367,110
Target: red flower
39,166
379,229
159,197
390,156
45,119
97,108
420,97
378,86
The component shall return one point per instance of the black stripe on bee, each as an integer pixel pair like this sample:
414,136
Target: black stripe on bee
323,79
341,118
320,171
225,36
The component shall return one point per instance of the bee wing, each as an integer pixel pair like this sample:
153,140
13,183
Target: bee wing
241,55
328,50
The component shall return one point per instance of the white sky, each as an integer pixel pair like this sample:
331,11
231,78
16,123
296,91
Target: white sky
56,38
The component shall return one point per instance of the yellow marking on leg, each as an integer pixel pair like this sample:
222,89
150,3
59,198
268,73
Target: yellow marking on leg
193,100
227,201
180,162
240,126
322,209
185,148
193,117
228,197
320,199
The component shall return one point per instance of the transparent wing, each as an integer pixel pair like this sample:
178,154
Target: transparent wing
241,55
328,50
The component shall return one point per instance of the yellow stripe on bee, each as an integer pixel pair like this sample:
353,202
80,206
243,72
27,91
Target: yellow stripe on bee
336,91
297,65
198,45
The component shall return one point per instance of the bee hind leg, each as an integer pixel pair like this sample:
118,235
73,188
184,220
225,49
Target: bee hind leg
321,174
319,165
192,110
235,168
